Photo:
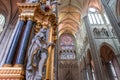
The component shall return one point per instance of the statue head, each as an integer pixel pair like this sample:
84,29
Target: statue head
42,36
43,30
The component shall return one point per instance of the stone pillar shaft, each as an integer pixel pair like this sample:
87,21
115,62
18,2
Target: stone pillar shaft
24,42
89,68
13,46
85,74
109,71
3,59
93,49
112,18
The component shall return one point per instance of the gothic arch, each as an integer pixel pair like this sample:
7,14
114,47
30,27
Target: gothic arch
107,44
67,30
106,53
110,64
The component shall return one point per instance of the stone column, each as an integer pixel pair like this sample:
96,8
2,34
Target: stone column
93,49
82,74
85,69
114,22
112,19
4,53
14,43
24,42
89,68
85,73
109,71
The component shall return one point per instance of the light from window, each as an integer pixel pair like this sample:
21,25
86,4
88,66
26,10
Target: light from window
67,47
100,17
93,74
2,22
90,19
113,71
106,18
87,76
93,17
92,9
98,21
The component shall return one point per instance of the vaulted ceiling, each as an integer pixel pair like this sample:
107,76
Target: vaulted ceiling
70,13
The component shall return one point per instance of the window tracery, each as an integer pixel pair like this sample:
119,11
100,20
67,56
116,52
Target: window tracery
96,32
104,32
113,33
100,33
95,17
67,47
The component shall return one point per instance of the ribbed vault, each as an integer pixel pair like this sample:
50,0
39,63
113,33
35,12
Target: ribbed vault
70,12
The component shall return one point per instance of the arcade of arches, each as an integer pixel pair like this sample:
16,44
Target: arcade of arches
59,39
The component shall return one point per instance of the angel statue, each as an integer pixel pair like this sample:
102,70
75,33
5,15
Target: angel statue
37,55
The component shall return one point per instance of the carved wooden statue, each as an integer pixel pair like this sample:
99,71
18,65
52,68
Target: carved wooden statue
37,55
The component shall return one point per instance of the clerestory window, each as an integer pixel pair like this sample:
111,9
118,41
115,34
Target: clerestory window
94,16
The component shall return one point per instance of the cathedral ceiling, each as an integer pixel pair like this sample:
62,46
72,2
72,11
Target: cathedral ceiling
70,13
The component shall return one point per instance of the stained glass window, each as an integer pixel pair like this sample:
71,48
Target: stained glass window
67,42
68,55
67,47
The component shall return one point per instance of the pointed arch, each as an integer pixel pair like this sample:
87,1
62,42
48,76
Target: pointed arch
107,44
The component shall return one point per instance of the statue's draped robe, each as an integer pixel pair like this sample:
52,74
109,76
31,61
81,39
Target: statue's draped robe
38,43
29,68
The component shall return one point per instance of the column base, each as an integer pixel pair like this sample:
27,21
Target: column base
7,65
12,73
18,65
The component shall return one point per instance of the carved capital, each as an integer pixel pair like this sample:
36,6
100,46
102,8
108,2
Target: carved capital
30,18
37,27
44,25
22,17
43,1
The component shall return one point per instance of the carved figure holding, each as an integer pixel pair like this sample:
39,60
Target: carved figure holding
37,55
